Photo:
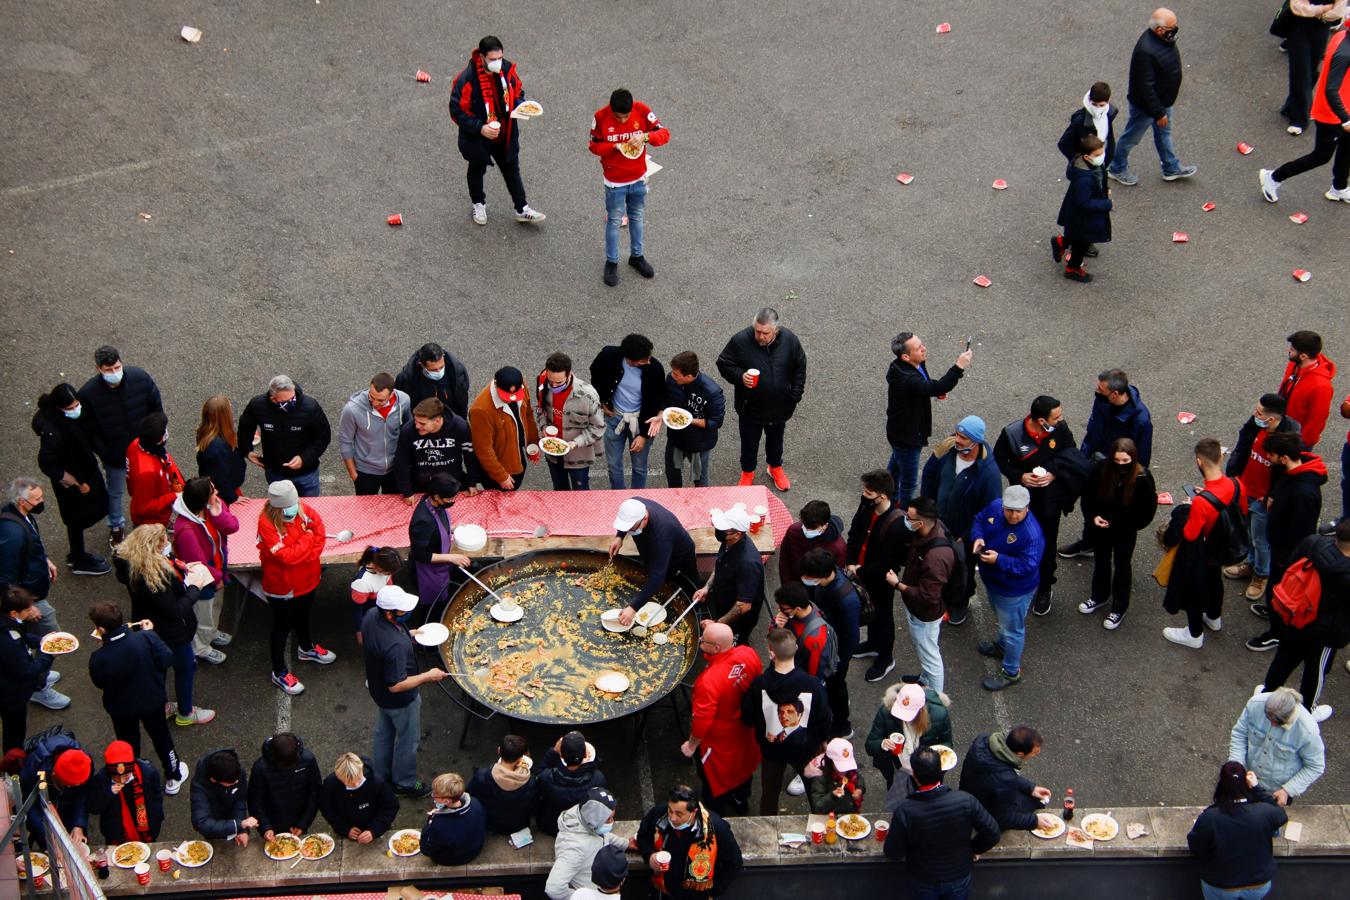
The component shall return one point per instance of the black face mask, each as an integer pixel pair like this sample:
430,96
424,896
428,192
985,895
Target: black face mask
1170,35
37,508
1123,467
720,535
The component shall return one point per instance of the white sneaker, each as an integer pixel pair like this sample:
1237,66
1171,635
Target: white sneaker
173,785
1321,712
1294,130
212,656
530,215
1343,196
1183,637
796,787
1270,188
1258,690
480,213
53,677
1213,624
51,698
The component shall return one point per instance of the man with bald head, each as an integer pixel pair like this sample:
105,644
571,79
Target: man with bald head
721,745
1155,81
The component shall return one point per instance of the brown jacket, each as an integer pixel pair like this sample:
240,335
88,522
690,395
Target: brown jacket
496,435
927,570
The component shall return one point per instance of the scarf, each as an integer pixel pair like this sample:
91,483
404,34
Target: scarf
510,779
1099,119
998,745
849,781
488,87
701,861
135,817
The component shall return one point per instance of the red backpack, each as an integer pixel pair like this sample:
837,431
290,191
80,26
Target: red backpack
1296,597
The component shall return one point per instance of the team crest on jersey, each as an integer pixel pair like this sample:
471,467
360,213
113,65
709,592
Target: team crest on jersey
1052,443
651,117
1012,538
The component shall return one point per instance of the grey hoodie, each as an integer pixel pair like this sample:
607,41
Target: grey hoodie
366,438
575,847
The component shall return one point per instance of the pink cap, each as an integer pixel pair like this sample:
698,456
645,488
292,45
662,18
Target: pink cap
840,752
908,703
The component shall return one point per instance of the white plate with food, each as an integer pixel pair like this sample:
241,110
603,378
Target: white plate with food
405,842
677,419
59,643
554,446
1051,833
316,846
612,682
193,854
432,634
852,826
282,847
42,864
609,620
504,612
527,110
126,856
1100,827
948,755
627,150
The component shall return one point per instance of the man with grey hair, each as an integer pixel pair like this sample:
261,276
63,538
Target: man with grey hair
295,433
1155,81
1278,739
24,564
766,364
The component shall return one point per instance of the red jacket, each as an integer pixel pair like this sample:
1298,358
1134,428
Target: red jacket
290,562
1336,64
1203,516
608,132
154,482
727,746
1307,395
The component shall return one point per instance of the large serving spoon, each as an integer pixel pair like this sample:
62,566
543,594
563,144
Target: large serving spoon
642,630
663,637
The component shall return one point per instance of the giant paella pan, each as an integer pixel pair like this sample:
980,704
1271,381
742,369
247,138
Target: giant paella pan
543,667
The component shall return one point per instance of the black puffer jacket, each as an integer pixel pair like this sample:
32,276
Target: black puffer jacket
507,811
112,415
64,447
217,810
782,375
302,432
284,798
452,389
998,787
936,833
1295,507
1155,74
561,788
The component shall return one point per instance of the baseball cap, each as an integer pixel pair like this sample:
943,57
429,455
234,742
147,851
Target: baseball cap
573,749
841,754
510,384
391,596
631,512
734,519
908,703
1016,497
598,806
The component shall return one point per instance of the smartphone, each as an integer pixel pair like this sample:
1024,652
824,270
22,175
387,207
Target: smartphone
969,338
1191,490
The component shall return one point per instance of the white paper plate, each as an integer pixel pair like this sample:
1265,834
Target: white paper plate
519,113
612,682
651,614
327,837
270,855
609,620
1058,830
42,863
400,833
144,857
180,856
502,614
432,634
544,445
1112,825
665,417
948,762
59,634
471,538
623,148
853,816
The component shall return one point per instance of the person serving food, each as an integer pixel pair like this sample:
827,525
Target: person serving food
663,545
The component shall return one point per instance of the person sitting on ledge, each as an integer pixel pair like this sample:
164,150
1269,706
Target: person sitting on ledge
356,802
457,827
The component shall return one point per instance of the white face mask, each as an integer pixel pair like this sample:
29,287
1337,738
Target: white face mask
494,65
167,550
810,582
434,376
1096,160
73,413
634,532
812,533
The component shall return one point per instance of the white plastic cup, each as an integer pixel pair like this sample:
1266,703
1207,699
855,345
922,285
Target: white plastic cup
663,860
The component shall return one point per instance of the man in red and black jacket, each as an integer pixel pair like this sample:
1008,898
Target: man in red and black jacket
481,101
620,134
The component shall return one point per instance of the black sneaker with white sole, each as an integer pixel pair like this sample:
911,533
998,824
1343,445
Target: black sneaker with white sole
879,669
1077,548
1113,620
1090,606
1263,642
89,564
1041,605
1260,610
863,652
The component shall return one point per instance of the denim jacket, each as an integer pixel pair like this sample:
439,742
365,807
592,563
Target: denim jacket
1290,757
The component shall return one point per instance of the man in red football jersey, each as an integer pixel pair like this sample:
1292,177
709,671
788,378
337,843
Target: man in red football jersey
620,134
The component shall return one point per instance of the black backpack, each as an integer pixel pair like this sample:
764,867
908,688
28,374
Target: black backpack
866,610
954,591
1229,542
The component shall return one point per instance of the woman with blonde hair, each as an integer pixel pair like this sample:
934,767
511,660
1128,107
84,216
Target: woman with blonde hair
164,590
290,541
917,713
218,456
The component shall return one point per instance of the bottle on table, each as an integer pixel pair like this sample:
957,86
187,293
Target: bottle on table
1068,804
831,829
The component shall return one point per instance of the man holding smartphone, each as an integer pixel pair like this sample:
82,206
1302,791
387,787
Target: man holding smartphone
909,407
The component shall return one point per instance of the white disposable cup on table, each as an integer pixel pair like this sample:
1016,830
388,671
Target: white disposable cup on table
663,860
754,377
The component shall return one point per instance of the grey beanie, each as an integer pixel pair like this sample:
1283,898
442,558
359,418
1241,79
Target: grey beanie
282,494
1282,703
609,868
596,809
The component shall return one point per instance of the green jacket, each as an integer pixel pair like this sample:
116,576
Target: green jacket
884,725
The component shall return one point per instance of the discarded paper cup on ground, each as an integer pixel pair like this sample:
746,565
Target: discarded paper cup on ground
1180,237
944,28
904,178
817,832
1302,274
1245,149
190,34
1208,207
165,860
663,859
1298,218
142,871
1185,418
754,377
882,828
981,281
1000,184
396,219
423,77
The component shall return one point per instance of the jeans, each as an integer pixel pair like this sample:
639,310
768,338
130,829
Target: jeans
510,169
697,463
184,673
773,443
1112,551
616,445
951,890
397,732
368,485
633,199
47,624
289,614
1330,142
207,609
565,479
157,726
1250,893
904,468
116,479
1012,625
305,485
1140,122
1259,556
925,637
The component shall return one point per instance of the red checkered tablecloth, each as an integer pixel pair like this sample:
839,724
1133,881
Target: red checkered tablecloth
376,895
383,520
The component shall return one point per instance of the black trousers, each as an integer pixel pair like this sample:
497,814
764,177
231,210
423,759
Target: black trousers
289,615
881,633
15,725
1297,649
1112,551
75,537
157,726
368,485
773,443
771,773
1331,143
1306,44
735,802
1048,516
1210,604
510,169
1077,251
836,693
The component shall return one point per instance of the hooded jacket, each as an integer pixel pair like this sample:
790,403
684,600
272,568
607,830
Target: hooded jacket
23,557
1020,547
1155,74
1331,628
782,375
194,541
284,798
1107,422
561,788
218,811
884,725
705,400
72,803
469,111
759,710
991,774
23,667
371,807
960,496
796,545
112,415
154,482
454,837
420,456
129,667
498,438
909,401
931,832
369,439
452,389
1085,213
508,799
1307,395
302,432
290,562
1255,485
64,447
583,419
1295,507
575,847
108,806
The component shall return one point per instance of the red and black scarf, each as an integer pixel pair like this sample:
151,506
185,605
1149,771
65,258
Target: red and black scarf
135,816
488,84
699,868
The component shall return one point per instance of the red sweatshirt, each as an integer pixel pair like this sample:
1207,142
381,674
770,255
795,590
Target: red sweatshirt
1307,394
153,483
1203,515
608,132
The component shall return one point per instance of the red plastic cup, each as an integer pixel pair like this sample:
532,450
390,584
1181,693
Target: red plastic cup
396,219
881,828
142,871
423,77
40,882
898,739
756,523
165,860
754,377
1302,274
532,451
818,833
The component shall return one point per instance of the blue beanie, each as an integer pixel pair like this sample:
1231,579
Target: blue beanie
971,427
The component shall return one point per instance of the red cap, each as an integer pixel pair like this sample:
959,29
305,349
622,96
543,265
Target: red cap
73,767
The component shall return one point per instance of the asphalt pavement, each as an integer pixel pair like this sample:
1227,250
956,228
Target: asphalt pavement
218,211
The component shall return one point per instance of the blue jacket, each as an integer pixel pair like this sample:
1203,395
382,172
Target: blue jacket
1106,423
1085,213
23,667
453,837
1291,758
217,810
705,400
1080,126
108,806
840,606
129,668
72,803
664,547
23,558
960,497
1018,568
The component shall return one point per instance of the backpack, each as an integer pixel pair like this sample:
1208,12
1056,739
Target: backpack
1229,542
57,736
867,611
954,591
1297,597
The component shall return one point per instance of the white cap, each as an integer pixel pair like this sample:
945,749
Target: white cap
840,752
631,512
908,702
734,519
391,596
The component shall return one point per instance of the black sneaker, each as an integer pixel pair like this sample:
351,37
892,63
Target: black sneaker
878,670
611,273
644,268
1260,610
1000,680
1057,248
1077,548
1327,529
1263,642
991,649
863,652
116,536
1091,251
1079,275
416,791
1041,605
1090,606
89,564
953,620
